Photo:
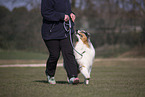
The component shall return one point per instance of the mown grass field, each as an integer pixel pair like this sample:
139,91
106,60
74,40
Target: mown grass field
21,55
109,79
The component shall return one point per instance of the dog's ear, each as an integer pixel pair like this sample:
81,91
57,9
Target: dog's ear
87,34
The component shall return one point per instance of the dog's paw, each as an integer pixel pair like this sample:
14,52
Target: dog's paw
86,81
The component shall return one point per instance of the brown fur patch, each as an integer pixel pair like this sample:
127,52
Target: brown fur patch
84,39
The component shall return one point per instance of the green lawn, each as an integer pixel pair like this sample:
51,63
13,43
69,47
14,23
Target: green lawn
109,79
21,55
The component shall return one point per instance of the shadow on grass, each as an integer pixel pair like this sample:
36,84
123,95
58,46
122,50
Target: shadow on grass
57,82
40,81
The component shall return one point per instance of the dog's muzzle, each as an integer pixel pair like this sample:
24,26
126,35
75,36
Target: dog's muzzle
78,33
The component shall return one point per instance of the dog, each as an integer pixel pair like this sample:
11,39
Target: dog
84,54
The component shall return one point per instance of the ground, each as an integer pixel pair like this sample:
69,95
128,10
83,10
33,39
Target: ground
109,78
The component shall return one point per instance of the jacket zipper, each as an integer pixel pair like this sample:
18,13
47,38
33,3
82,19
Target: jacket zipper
52,27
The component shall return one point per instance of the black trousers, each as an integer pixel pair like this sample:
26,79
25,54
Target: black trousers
54,48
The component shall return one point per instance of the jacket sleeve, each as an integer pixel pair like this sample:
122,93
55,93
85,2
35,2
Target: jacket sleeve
48,11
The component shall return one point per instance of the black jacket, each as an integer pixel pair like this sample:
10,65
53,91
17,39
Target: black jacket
53,13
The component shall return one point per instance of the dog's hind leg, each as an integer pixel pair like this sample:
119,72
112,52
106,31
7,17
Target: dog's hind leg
86,74
89,70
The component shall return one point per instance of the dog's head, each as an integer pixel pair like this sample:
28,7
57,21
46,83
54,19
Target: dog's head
83,35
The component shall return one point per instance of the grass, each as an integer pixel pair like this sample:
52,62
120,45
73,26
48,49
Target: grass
120,51
109,51
109,79
106,51
21,55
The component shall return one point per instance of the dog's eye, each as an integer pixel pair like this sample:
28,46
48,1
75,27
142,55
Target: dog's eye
81,35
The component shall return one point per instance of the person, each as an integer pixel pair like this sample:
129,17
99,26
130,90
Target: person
56,38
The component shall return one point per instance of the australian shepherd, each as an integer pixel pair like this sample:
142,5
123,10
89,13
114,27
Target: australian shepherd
85,54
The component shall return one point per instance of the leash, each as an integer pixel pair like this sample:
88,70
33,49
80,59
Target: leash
69,30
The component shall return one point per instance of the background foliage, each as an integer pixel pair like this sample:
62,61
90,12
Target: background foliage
112,23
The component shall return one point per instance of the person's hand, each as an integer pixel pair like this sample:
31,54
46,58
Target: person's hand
73,17
66,18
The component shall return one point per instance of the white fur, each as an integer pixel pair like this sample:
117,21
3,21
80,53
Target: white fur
85,62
